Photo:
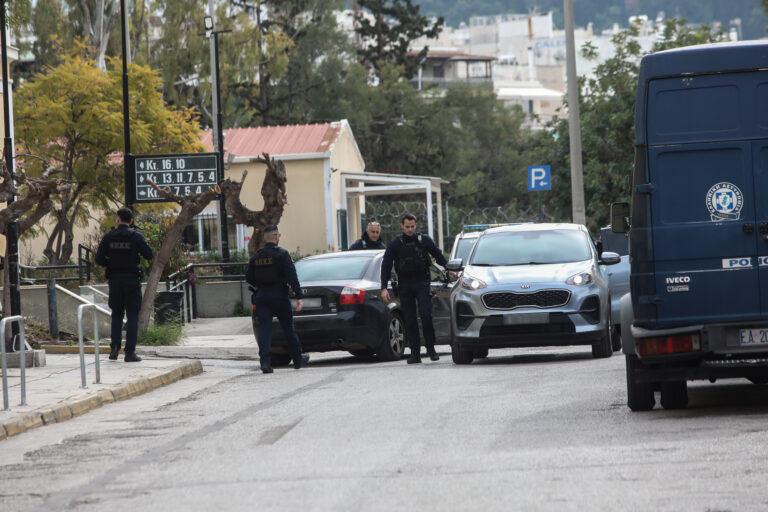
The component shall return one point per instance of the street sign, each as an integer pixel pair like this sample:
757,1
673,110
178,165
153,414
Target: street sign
184,174
539,178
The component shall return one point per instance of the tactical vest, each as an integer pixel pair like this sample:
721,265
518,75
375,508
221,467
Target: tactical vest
265,267
412,259
122,253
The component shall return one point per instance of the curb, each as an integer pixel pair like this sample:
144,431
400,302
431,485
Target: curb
81,404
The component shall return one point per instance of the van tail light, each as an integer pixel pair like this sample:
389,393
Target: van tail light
668,345
351,295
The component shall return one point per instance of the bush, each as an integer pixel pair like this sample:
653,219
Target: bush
241,310
161,335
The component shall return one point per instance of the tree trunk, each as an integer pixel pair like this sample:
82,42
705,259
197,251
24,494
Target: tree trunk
191,205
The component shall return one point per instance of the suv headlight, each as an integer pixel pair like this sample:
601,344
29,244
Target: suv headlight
472,283
581,278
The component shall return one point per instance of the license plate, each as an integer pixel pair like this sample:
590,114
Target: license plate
310,302
753,337
526,318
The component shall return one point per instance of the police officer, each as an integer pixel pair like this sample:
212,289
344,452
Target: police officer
119,251
371,239
270,272
410,253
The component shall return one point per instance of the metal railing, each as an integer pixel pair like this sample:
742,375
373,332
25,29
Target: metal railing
83,268
22,359
80,310
174,281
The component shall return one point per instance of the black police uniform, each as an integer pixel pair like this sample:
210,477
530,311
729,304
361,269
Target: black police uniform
366,243
270,272
410,255
119,251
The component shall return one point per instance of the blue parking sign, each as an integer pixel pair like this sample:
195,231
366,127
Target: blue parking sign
538,178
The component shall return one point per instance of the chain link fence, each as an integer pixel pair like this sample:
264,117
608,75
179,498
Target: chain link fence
390,213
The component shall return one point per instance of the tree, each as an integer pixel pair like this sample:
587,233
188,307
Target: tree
396,24
71,116
94,20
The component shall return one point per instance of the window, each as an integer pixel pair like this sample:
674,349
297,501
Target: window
531,247
332,269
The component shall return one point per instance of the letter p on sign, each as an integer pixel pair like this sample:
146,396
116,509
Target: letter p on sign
539,178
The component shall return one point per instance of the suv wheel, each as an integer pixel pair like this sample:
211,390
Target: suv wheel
603,347
461,356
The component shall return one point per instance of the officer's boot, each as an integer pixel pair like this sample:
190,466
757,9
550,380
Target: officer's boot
432,353
415,357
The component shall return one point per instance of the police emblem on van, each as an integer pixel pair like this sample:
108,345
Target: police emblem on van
724,201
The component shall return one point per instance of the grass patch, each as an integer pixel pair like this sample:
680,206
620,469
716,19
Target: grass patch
240,310
162,335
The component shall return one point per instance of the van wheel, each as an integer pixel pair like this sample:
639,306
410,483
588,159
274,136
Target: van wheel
639,395
461,356
603,348
392,344
480,353
616,338
674,395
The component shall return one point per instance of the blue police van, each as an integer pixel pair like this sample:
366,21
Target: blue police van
698,307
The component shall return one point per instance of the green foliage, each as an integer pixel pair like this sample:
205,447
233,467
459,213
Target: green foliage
162,334
396,23
155,227
71,115
241,310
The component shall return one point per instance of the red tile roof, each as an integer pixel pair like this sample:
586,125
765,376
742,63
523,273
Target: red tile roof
278,140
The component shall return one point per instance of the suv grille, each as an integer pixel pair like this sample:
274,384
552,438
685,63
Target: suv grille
539,299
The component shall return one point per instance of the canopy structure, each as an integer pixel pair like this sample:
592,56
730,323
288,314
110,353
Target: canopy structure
364,184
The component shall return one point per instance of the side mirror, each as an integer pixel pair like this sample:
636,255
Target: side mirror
455,265
620,217
610,258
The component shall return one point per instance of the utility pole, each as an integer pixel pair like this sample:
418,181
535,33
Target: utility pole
574,127
218,132
12,235
127,171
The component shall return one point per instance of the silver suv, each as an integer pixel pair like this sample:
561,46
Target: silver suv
531,285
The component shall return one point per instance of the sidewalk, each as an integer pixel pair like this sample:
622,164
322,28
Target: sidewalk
54,391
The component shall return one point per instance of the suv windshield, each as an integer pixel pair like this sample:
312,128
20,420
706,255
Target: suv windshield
527,247
330,269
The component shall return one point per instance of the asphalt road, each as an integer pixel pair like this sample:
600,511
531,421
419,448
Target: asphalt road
532,429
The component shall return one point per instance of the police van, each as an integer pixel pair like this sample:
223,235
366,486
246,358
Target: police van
698,307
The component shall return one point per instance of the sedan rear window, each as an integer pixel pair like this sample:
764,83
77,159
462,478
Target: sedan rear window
329,269
531,247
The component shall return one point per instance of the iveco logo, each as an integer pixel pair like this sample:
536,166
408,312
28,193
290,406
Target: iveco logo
525,286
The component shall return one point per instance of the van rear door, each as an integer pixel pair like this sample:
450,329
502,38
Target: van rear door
760,157
703,201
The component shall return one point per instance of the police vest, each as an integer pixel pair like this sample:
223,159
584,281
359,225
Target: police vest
264,267
412,258
122,253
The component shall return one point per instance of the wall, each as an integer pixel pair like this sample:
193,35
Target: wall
345,156
217,299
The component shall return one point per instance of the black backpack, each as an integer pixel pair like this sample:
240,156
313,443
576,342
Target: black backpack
412,259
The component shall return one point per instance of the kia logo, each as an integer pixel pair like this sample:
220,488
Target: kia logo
525,286
304,291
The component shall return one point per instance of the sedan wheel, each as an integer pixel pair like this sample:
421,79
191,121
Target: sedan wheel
393,343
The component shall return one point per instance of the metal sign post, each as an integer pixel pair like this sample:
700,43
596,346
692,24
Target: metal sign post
184,174
538,180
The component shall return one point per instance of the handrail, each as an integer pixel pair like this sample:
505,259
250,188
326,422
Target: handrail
83,262
22,359
176,286
96,290
80,310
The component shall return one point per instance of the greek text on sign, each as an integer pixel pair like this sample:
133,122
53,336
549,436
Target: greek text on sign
182,174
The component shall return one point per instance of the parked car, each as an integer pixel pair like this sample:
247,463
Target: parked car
618,277
465,240
343,310
531,285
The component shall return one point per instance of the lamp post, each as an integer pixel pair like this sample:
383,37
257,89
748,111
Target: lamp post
12,235
218,130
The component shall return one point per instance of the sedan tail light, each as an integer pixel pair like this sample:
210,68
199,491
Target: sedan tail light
351,295
668,345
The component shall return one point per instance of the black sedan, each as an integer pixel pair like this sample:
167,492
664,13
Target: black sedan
342,309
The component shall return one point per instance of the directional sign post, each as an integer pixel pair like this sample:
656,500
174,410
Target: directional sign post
184,174
538,180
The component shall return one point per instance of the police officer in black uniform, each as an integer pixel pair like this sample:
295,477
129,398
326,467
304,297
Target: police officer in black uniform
270,272
119,251
371,239
410,253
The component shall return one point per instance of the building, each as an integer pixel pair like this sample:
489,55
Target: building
444,68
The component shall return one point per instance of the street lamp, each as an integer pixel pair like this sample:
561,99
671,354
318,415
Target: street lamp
217,129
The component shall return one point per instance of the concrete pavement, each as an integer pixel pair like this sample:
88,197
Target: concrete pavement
54,392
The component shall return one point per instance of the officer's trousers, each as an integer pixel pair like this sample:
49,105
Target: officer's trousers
411,292
125,298
271,303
